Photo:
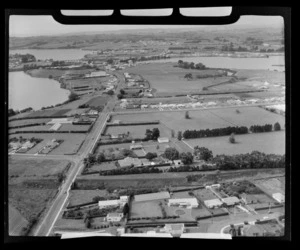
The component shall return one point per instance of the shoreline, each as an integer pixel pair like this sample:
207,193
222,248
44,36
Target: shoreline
54,105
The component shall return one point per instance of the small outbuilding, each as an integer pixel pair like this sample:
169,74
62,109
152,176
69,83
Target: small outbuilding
231,201
114,217
163,140
279,197
213,203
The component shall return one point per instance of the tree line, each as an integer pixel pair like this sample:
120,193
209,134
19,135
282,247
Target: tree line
188,134
191,65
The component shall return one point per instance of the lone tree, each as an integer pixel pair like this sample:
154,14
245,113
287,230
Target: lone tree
172,133
179,135
120,96
100,157
187,115
237,111
171,154
73,96
122,91
277,126
203,153
232,138
150,155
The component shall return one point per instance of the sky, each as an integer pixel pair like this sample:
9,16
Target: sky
23,26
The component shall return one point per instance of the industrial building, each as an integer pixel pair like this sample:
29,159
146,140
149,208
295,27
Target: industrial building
184,202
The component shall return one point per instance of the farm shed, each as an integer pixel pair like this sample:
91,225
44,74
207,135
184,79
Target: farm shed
213,203
163,139
279,197
188,202
108,203
152,196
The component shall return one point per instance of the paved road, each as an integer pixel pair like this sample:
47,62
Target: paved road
46,224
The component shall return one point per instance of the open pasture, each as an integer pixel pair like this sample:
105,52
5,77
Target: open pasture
269,143
78,197
248,116
272,185
200,119
48,113
98,101
145,209
15,222
17,123
164,77
36,167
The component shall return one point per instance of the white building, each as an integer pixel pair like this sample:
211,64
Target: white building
279,197
174,229
115,217
177,163
213,203
184,202
230,201
108,203
163,140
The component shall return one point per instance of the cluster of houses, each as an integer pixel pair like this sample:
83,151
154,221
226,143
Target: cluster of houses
18,147
49,146
120,203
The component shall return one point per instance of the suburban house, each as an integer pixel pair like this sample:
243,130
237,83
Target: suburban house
279,197
15,145
231,201
163,139
152,196
184,202
174,229
129,161
114,217
177,163
213,203
93,113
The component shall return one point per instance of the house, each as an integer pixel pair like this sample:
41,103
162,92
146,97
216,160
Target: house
92,113
231,201
129,161
116,122
15,145
114,217
184,202
177,163
152,196
108,203
213,203
124,199
136,146
174,229
28,145
279,197
163,139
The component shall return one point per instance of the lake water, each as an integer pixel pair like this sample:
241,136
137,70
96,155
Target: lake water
26,91
55,54
234,63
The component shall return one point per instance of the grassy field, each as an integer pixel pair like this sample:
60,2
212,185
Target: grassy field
115,149
145,209
27,122
272,185
248,116
30,202
258,200
269,143
200,119
168,79
36,167
83,196
138,131
70,144
47,113
15,221
204,194
99,101
103,166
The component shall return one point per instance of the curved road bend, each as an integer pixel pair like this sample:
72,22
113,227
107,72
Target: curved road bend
45,225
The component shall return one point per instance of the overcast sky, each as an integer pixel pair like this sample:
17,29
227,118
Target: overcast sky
22,26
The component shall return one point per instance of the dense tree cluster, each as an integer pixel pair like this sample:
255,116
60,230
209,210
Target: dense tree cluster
261,128
277,126
249,161
186,158
126,171
188,134
171,154
152,134
203,153
150,155
190,65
